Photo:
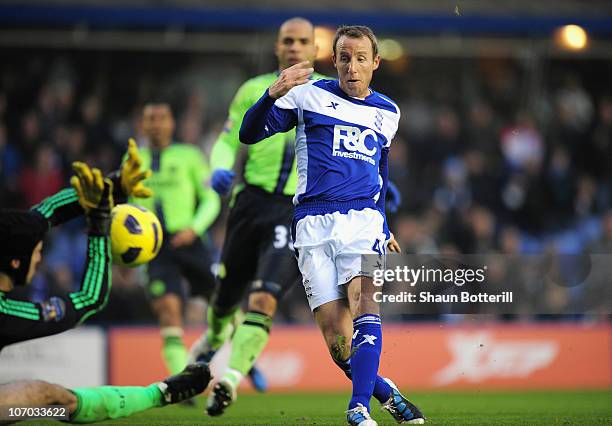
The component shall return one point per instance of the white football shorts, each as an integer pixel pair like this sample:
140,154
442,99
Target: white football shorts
329,249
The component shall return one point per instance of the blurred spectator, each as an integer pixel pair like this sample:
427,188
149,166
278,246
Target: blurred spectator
574,116
97,131
30,137
454,195
67,270
523,193
585,203
522,144
414,236
482,223
510,241
604,244
602,145
9,170
9,158
483,154
41,179
574,105
561,184
3,105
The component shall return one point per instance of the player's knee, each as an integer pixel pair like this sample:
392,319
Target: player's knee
168,310
339,348
263,302
361,297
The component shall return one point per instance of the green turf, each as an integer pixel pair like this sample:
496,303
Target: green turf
516,408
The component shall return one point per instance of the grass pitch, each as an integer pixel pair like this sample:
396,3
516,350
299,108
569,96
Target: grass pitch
440,408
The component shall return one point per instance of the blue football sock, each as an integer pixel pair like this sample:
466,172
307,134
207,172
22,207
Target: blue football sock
367,343
382,390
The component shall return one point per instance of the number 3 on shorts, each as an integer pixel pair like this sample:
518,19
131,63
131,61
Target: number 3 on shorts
281,237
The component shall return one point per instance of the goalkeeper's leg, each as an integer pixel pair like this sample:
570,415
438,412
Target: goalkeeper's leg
87,405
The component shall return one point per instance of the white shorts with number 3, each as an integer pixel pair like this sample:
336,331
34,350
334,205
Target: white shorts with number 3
329,249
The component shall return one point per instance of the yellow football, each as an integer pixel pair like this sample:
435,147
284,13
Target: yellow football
136,235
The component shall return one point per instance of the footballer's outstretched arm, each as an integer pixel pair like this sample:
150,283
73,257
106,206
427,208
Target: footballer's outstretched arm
58,208
21,320
95,196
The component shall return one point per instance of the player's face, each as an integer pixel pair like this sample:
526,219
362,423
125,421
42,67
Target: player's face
295,44
158,124
355,61
34,261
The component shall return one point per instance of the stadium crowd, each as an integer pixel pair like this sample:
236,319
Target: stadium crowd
485,166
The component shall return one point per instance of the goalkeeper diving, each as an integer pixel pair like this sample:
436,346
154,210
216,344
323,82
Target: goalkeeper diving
22,234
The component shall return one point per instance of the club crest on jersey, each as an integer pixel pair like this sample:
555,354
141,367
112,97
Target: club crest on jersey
378,120
350,142
53,309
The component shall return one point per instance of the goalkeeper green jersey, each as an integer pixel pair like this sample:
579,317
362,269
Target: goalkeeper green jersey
182,196
270,163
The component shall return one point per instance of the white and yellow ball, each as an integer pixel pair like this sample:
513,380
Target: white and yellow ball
136,235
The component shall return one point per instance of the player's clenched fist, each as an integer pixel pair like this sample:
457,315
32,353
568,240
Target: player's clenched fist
290,77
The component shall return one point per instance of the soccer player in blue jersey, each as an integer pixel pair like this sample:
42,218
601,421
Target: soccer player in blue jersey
343,135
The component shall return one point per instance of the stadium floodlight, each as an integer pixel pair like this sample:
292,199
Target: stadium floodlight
324,37
390,49
571,37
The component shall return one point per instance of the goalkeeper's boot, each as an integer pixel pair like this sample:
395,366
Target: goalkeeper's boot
222,396
402,410
193,380
359,416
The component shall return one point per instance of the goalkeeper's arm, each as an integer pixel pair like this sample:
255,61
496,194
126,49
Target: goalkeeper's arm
22,320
